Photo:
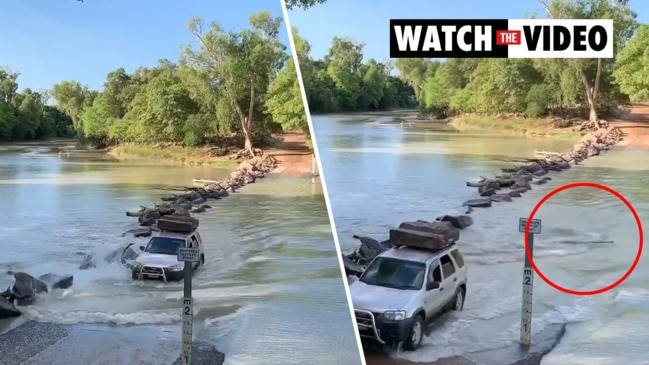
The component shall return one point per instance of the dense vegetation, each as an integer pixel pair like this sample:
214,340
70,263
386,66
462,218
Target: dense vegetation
538,87
234,87
343,82
303,4
26,115
525,87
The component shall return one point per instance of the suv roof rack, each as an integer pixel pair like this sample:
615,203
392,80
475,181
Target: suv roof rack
431,250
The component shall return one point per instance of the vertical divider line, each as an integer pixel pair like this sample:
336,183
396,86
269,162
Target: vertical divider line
321,172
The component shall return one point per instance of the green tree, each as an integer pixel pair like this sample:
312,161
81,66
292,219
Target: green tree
303,4
241,65
594,73
632,66
71,98
344,61
284,101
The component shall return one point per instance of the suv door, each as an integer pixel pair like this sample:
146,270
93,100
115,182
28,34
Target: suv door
434,299
449,282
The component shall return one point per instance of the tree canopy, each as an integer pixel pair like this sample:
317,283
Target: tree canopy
303,4
229,86
26,115
342,81
538,87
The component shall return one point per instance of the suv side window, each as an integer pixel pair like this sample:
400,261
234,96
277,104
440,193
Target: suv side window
457,256
435,275
447,266
193,243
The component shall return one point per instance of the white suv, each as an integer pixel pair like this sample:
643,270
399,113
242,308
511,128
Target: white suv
158,259
403,289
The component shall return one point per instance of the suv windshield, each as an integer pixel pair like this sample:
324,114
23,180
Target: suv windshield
164,245
395,273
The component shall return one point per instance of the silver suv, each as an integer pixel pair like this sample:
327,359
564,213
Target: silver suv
403,289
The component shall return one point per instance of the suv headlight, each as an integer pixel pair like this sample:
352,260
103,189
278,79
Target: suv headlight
178,267
395,315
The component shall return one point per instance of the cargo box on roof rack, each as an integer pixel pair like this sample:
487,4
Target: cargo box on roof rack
418,239
178,224
441,228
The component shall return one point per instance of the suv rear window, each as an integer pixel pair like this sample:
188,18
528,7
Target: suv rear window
457,256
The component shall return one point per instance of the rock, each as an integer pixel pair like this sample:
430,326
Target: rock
533,168
488,192
88,263
501,198
25,288
459,222
540,182
352,268
515,194
134,213
23,278
521,183
149,222
588,139
489,185
57,281
369,249
477,203
8,308
592,151
474,184
198,210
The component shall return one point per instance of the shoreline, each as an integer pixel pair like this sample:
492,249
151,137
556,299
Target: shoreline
294,158
630,131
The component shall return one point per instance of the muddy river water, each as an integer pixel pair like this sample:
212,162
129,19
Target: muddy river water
379,174
270,292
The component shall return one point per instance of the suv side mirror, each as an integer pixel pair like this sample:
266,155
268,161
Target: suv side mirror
432,285
142,248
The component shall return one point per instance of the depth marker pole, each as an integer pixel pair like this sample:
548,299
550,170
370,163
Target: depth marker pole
189,256
528,281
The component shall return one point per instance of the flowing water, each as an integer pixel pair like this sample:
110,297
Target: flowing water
380,173
270,291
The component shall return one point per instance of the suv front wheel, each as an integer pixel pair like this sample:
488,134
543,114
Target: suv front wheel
416,334
458,303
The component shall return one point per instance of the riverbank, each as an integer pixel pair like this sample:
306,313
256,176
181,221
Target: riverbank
291,152
529,127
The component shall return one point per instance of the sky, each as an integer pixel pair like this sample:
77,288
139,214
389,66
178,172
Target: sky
367,21
48,41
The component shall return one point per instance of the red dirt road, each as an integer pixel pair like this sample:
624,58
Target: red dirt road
635,124
295,158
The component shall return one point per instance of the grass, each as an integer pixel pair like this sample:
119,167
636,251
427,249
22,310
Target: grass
513,125
171,155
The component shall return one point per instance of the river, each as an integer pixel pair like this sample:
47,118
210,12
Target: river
270,292
379,174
